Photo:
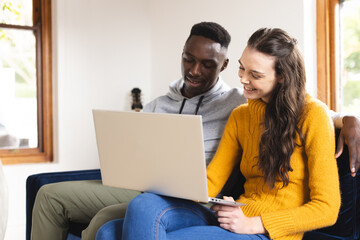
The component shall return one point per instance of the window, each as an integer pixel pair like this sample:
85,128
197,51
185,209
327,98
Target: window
349,12
338,52
25,81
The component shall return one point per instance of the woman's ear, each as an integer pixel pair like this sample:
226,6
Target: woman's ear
280,79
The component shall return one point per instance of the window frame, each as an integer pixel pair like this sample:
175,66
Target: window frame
328,61
44,151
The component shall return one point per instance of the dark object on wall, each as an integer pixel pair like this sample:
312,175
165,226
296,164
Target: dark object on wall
136,100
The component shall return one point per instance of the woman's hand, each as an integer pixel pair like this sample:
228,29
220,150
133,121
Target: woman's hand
233,219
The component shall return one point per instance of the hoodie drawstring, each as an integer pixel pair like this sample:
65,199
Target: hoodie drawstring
197,106
182,105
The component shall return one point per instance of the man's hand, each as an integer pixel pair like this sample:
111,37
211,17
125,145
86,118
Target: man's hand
350,134
233,219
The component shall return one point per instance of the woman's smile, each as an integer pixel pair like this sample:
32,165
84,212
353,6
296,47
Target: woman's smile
249,89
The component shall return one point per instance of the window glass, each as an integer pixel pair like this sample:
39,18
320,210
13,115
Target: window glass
18,95
18,79
350,56
16,12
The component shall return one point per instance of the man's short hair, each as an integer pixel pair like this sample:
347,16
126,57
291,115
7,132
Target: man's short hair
212,31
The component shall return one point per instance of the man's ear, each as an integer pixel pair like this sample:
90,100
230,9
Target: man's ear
224,66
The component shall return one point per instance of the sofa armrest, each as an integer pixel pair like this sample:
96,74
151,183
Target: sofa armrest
36,181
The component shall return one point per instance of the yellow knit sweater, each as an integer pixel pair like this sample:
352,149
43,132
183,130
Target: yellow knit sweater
312,198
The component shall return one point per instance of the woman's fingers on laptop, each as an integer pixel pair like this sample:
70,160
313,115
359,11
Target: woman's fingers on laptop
230,199
220,207
230,218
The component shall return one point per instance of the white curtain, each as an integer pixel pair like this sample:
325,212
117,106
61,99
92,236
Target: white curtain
3,203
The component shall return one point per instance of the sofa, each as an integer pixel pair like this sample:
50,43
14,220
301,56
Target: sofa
36,181
347,226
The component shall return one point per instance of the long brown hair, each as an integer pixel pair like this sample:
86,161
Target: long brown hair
283,111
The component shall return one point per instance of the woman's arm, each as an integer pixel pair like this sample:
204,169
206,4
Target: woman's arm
227,155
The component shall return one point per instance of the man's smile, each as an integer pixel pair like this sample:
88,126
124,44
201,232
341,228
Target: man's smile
192,82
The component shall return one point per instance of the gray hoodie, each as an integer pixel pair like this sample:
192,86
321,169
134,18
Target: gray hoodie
214,106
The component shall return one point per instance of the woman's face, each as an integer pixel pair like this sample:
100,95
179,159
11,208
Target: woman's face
257,74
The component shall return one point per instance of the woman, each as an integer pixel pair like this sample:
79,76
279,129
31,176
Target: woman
284,140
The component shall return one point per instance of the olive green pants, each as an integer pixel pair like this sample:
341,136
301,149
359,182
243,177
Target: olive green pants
89,201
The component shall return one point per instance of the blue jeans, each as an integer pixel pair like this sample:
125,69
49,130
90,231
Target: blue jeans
150,216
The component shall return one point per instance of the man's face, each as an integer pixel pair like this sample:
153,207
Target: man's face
202,61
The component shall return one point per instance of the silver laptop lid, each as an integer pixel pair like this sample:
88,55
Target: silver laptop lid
152,152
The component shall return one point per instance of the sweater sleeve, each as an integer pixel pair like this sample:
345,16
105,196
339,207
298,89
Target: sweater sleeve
226,157
323,207
337,118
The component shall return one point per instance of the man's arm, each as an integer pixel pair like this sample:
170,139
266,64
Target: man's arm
349,134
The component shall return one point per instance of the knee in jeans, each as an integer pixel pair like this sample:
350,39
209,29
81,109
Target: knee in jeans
142,202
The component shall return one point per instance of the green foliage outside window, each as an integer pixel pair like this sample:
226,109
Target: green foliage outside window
351,57
17,47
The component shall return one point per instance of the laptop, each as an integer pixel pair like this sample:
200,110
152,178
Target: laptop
153,152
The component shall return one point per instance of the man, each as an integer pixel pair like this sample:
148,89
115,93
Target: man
199,91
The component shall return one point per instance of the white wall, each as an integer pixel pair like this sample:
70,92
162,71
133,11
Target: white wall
102,49
171,27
